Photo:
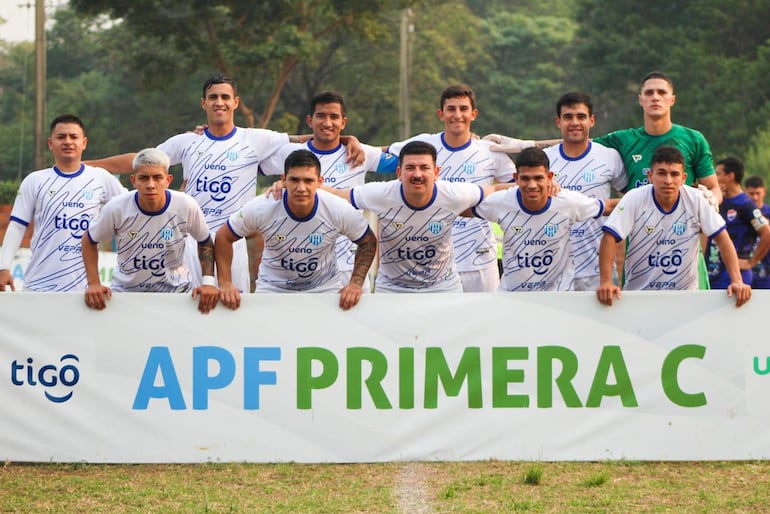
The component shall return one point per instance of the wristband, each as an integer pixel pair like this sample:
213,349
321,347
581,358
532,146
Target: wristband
209,280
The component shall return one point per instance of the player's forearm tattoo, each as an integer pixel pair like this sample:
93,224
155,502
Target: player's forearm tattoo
206,256
367,248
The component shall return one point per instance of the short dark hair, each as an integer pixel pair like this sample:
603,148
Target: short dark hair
417,148
668,155
327,97
574,98
67,118
658,75
733,165
755,182
457,91
219,79
533,157
301,159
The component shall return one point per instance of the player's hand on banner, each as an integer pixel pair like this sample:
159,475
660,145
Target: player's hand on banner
229,295
741,291
350,295
606,292
209,296
709,196
6,279
97,295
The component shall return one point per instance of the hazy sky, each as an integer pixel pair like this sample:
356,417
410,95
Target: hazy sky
20,20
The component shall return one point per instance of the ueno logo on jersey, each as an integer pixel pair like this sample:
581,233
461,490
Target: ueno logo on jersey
435,227
76,226
539,263
731,214
315,238
589,175
550,229
678,228
166,233
58,382
669,264
219,189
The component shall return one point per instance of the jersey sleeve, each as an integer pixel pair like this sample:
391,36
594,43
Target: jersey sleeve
196,221
352,223
174,146
368,196
703,164
274,163
24,206
504,168
372,158
620,221
102,227
248,218
112,186
585,207
493,206
266,142
619,180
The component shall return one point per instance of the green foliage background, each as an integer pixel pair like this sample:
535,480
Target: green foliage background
133,70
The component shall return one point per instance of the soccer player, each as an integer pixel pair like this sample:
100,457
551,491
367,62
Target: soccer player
537,227
464,159
637,145
663,222
150,225
755,188
578,164
300,233
416,214
327,120
747,227
61,201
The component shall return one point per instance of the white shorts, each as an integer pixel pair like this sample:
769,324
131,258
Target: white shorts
485,280
239,268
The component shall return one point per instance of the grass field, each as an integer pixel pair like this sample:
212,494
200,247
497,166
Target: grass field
482,487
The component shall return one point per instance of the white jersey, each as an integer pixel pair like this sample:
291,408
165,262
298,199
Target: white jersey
221,172
662,246
536,243
62,206
416,243
474,241
594,173
337,173
150,244
299,252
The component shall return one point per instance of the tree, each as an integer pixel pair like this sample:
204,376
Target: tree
258,43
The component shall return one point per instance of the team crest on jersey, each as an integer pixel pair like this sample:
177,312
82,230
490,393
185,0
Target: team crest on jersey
340,167
679,228
589,175
51,192
166,233
280,237
200,153
133,233
398,225
517,230
87,194
435,227
231,155
550,229
649,230
731,214
636,157
469,168
315,238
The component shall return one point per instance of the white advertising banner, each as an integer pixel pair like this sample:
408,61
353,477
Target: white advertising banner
527,376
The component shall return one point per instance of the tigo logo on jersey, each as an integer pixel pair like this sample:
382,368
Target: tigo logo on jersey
315,238
58,382
550,229
679,228
435,227
166,233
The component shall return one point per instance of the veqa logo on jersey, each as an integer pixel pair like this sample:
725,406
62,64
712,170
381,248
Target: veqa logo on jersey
57,381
